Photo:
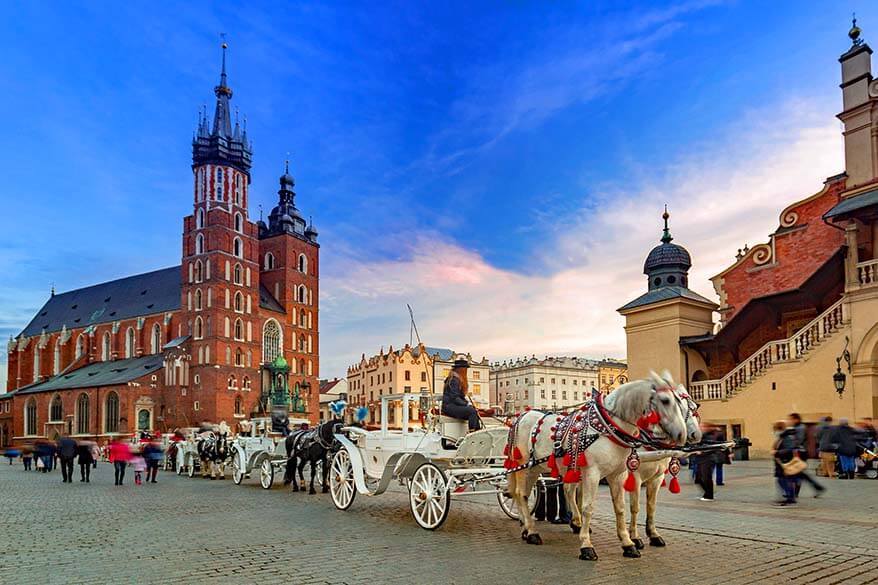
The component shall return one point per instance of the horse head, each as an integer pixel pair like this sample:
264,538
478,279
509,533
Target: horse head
665,408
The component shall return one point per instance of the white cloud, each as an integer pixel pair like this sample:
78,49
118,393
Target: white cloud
723,194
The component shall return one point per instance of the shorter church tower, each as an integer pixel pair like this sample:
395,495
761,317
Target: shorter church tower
656,320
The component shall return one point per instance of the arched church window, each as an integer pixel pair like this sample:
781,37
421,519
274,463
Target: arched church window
105,347
272,342
269,261
129,343
199,244
199,219
56,409
239,330
303,264
82,414
239,190
239,302
80,346
198,299
239,405
239,278
199,331
198,268
30,417
239,223
238,248
111,413
156,338
219,184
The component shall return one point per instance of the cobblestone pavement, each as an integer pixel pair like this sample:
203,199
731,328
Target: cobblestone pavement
201,531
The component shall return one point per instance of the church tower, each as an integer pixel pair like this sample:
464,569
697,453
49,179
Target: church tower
668,311
220,266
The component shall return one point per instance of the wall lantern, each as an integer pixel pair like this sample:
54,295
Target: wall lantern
839,379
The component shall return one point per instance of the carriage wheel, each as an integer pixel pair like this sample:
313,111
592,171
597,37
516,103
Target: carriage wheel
266,474
429,497
191,467
507,504
238,468
341,480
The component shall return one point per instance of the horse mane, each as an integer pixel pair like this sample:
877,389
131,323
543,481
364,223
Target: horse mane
630,401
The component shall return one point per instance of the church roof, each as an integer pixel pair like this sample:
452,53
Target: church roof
267,300
665,293
110,373
125,298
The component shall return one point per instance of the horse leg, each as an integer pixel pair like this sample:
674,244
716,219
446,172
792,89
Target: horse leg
520,484
325,468
634,507
292,463
588,488
313,475
653,487
617,491
301,467
571,494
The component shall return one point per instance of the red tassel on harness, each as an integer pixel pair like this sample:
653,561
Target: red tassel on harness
664,482
630,482
581,460
516,454
674,486
572,476
506,450
551,462
554,472
566,460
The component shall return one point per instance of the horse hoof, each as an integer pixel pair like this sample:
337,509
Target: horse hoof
534,539
324,491
630,552
588,554
656,541
312,492
576,529
638,542
212,477
222,477
524,535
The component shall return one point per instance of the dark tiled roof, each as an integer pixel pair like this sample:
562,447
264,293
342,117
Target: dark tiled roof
177,341
133,296
7,395
100,374
665,293
667,254
267,300
854,203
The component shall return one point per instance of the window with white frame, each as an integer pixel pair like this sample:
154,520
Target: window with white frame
199,244
238,248
220,176
272,341
129,343
269,261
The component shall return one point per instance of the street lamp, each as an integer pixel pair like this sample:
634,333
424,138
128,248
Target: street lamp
839,379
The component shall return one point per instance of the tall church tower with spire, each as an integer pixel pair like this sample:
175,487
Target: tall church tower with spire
220,267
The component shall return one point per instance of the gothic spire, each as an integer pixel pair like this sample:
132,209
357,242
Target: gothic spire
222,123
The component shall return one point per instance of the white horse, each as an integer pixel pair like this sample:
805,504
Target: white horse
652,473
533,442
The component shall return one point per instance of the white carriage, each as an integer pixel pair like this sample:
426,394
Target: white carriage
260,450
434,464
188,461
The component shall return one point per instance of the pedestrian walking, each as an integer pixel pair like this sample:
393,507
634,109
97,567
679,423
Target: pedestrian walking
27,457
139,465
153,454
846,439
66,453
706,462
85,461
826,447
95,455
785,448
119,454
795,421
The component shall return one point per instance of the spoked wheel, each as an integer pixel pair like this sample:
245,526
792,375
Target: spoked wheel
190,469
429,497
238,468
266,474
507,504
341,480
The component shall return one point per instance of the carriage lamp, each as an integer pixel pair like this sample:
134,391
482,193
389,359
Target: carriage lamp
839,379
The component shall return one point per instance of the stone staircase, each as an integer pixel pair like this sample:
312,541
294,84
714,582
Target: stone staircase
788,350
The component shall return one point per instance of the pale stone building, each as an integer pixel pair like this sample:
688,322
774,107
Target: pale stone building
331,391
552,383
409,370
797,320
612,374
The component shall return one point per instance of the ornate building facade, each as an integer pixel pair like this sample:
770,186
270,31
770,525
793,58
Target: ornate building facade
222,336
552,383
798,315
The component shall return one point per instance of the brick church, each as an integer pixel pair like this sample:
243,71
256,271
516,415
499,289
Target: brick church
227,334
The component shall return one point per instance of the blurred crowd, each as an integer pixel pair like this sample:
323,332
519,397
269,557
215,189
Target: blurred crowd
143,453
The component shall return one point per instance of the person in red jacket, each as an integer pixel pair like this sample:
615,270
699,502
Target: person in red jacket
120,455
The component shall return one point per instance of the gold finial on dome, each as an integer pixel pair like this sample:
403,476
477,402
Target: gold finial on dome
666,235
854,33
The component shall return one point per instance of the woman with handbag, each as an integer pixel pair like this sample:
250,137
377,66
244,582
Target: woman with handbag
785,451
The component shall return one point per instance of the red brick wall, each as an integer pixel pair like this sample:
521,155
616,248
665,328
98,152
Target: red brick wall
799,252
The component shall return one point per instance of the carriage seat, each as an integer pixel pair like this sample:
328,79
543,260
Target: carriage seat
452,428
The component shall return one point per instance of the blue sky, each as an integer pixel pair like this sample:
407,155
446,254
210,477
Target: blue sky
500,165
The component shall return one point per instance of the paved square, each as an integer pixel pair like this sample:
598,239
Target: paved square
201,531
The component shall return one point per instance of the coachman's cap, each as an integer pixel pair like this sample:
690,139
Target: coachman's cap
460,364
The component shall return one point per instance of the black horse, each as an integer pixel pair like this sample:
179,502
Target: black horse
214,450
310,446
